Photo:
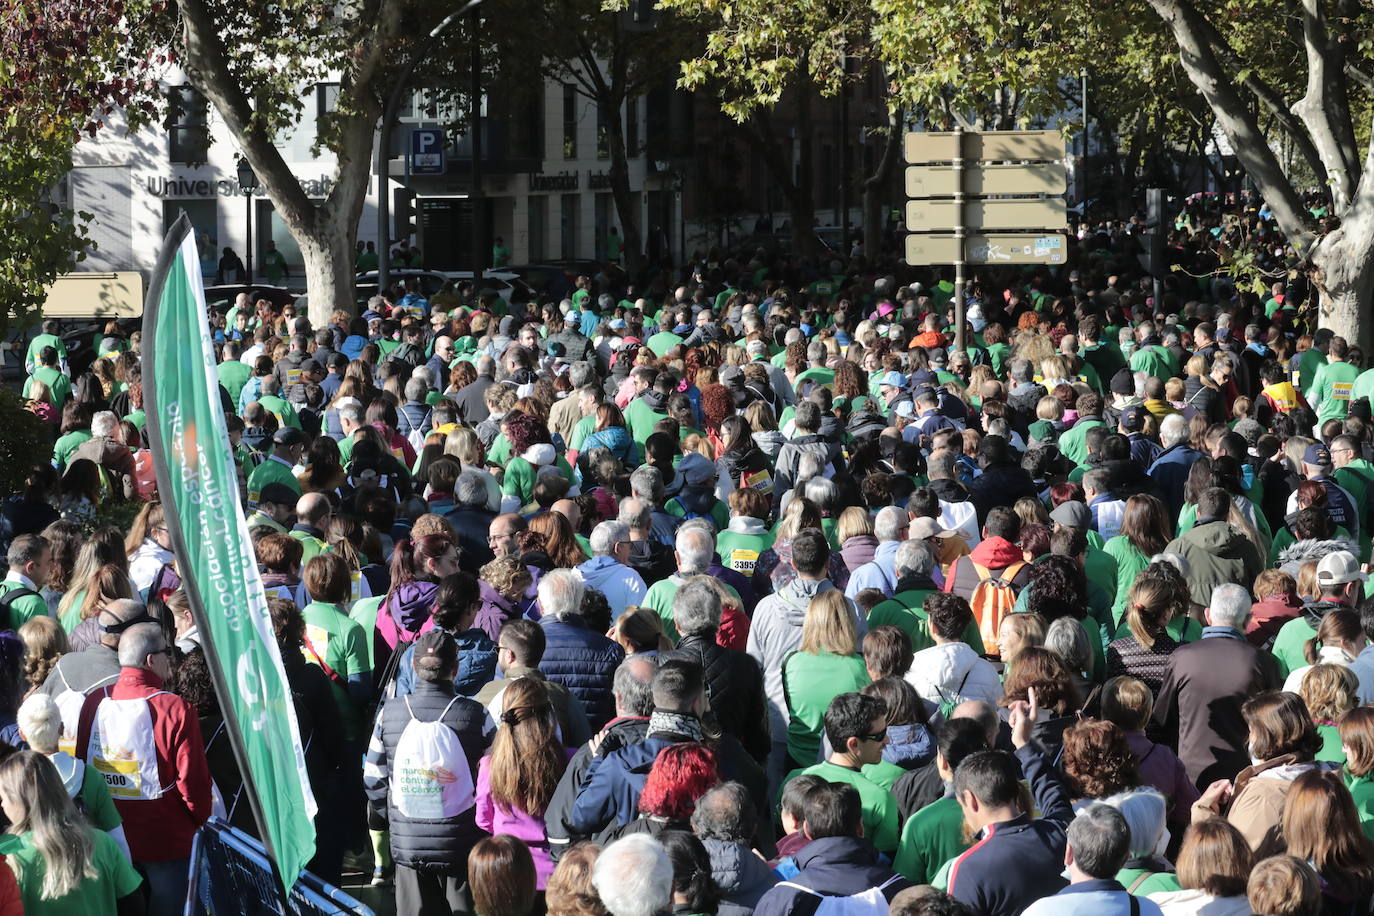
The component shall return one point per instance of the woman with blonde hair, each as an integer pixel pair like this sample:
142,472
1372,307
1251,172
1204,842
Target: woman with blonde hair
1329,692
1019,632
104,547
854,531
110,584
639,631
44,643
826,665
517,779
1144,652
63,864
1338,641
1212,869
570,891
149,545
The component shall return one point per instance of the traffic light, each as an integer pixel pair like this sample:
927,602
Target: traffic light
402,214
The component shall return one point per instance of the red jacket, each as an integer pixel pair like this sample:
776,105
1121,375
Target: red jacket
161,829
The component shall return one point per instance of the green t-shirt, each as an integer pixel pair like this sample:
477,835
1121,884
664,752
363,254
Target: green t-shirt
741,552
233,375
94,796
810,681
282,409
24,609
719,515
1331,751
660,597
338,641
364,613
1330,392
584,428
38,343
1288,645
114,878
62,449
640,420
932,836
662,342
904,611
1309,362
58,384
1362,791
271,470
878,805
311,546
1130,562
1155,883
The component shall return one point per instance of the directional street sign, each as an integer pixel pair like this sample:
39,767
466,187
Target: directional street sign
427,151
987,146
1006,213
992,248
981,178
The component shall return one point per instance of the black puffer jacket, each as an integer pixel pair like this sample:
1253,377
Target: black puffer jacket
619,733
421,842
582,661
734,684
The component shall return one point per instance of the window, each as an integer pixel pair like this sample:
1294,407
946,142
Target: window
632,127
316,102
188,129
603,133
569,121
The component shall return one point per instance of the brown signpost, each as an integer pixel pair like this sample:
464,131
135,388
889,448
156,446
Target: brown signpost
984,197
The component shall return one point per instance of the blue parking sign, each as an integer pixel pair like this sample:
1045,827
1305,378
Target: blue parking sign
427,151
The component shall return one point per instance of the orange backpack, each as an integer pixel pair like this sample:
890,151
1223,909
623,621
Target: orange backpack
992,600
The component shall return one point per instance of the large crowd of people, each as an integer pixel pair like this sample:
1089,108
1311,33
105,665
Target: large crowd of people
760,588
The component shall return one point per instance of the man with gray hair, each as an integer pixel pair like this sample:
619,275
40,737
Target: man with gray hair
1099,843
607,571
725,820
103,450
471,518
632,689
890,528
1170,470
695,547
646,484
165,794
734,680
649,556
413,417
914,565
634,877
574,656
1205,685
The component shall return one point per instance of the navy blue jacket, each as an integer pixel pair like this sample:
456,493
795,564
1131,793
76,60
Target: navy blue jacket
584,662
836,866
476,665
1170,473
612,785
1017,862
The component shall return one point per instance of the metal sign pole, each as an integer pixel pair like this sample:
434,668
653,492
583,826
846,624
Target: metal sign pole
959,237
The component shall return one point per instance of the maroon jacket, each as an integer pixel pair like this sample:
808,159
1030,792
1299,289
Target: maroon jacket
1267,617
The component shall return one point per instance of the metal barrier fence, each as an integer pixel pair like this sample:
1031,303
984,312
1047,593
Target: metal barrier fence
230,874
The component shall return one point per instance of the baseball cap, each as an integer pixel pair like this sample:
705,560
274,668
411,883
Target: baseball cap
311,365
1339,568
572,317
1072,514
1317,455
1133,419
893,380
936,356
696,470
288,435
906,409
923,528
618,324
279,494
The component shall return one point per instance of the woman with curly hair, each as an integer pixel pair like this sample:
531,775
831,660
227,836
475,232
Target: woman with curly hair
570,891
1329,692
1058,588
1040,670
517,779
1097,761
503,583
532,454
851,388
717,405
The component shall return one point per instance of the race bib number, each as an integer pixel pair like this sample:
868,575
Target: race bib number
123,751
318,638
1340,391
743,561
292,377
761,481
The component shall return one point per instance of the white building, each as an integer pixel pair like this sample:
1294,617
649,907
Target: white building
546,184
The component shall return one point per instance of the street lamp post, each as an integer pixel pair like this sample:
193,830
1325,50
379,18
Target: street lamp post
248,183
389,114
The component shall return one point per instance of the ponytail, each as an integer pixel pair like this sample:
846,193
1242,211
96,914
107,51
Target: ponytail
1310,649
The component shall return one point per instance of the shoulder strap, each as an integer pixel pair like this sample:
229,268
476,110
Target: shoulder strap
8,599
799,887
1135,906
329,672
1136,883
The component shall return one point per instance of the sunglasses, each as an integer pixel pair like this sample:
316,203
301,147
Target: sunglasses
876,736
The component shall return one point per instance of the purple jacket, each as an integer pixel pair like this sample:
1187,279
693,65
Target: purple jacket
409,609
494,612
526,827
1160,767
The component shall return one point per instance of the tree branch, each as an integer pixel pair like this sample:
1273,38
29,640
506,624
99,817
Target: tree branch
1325,109
1206,72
